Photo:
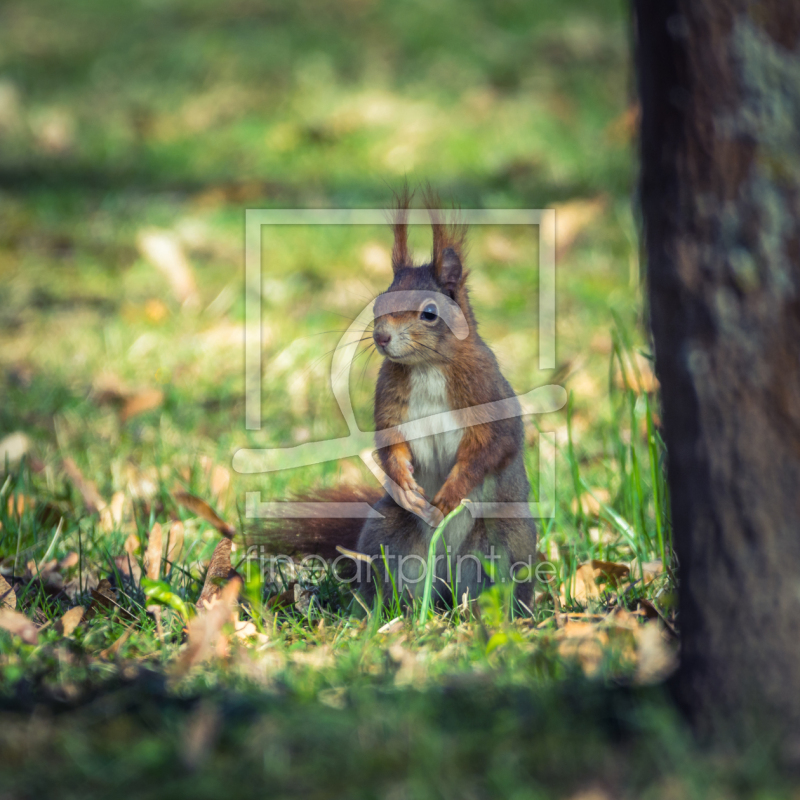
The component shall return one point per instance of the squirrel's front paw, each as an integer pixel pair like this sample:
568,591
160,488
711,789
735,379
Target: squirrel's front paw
447,499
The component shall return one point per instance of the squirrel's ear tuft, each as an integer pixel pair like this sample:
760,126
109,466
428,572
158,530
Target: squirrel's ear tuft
449,243
449,270
400,254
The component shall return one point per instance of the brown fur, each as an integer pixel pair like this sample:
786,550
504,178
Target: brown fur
487,461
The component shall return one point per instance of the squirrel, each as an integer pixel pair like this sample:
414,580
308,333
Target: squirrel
431,367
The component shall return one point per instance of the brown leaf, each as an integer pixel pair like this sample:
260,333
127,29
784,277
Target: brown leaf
111,515
174,545
71,619
143,401
220,483
591,502
611,571
104,594
583,587
283,600
219,571
152,556
656,657
70,560
8,597
87,490
164,251
205,630
18,624
638,374
572,218
204,510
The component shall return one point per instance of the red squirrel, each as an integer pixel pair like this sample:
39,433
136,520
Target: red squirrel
431,369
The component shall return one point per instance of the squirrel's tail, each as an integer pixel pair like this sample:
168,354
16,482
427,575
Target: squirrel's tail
314,535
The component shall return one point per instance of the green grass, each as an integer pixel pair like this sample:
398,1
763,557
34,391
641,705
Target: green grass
180,115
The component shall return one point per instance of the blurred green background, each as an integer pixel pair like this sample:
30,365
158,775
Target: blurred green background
119,122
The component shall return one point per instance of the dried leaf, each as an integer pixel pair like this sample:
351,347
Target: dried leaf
611,571
174,545
205,630
572,218
87,490
164,251
219,571
71,619
152,556
18,624
204,510
132,545
143,401
12,448
8,597
591,502
390,627
220,482
247,630
282,600
104,595
69,561
656,657
583,588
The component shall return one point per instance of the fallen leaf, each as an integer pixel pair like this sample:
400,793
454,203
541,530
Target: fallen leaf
70,620
139,403
219,571
583,642
13,447
164,251
174,545
637,375
583,587
70,560
611,571
111,515
152,556
649,570
204,632
246,630
390,627
283,600
204,511
87,490
220,483
8,597
656,656
18,624
572,218
591,502
104,595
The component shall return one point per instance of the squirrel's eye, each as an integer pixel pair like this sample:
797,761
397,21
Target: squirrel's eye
430,312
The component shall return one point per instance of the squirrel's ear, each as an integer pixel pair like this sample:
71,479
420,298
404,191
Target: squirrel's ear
449,270
400,254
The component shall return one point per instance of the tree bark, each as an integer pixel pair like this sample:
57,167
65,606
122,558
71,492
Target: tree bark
719,82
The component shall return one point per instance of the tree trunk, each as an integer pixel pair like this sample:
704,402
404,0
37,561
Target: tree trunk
719,82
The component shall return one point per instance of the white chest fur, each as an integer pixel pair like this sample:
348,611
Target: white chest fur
434,455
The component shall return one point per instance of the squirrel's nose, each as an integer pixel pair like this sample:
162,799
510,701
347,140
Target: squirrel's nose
382,339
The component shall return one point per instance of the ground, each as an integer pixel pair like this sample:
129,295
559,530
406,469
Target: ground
133,138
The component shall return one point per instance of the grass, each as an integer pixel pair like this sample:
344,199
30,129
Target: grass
115,119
